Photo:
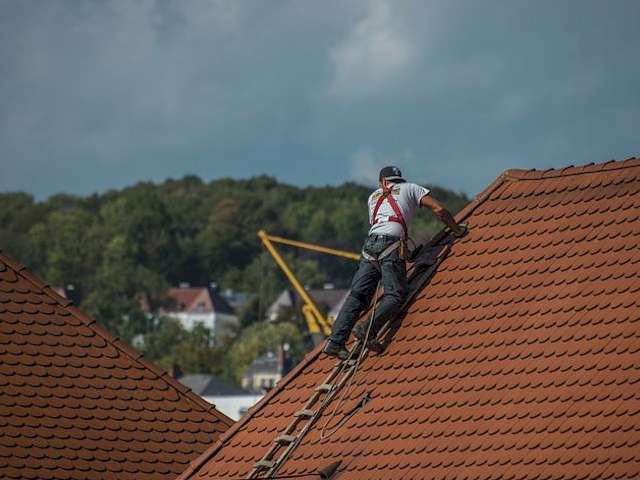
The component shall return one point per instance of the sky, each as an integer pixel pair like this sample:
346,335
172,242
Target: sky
101,94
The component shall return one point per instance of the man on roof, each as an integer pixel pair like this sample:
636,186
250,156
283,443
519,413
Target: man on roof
391,209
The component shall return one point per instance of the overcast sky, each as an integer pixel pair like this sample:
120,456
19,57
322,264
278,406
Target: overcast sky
100,94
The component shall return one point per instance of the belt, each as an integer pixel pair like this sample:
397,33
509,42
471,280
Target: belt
387,251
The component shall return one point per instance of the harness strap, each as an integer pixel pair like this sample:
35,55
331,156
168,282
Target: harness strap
387,251
398,217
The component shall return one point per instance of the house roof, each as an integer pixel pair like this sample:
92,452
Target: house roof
327,300
207,385
76,403
189,299
519,360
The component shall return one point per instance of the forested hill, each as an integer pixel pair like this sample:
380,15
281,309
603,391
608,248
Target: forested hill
115,246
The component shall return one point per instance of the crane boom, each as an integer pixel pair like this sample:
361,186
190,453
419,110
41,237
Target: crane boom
316,321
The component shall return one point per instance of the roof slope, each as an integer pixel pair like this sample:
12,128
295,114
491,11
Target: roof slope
520,359
75,403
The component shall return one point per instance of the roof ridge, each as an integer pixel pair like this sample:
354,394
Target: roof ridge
134,355
533,174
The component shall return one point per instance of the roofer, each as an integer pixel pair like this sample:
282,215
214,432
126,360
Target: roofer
391,208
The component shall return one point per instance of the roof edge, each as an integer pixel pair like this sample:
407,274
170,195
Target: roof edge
125,349
478,200
533,174
516,174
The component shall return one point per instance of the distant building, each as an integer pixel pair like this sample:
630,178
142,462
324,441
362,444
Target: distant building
267,370
201,305
228,399
69,292
237,300
288,305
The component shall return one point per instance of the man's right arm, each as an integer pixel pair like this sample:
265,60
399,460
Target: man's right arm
443,214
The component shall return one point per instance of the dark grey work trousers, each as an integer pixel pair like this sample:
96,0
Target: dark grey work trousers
392,270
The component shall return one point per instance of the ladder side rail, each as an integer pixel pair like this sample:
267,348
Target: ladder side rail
285,455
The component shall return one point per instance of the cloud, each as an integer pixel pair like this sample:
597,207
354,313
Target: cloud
100,94
365,164
376,51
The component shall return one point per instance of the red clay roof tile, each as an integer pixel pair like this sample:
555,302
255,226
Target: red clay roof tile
519,360
75,403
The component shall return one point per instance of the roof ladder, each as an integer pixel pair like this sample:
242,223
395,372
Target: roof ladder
303,419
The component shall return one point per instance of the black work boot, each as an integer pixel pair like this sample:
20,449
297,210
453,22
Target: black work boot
335,350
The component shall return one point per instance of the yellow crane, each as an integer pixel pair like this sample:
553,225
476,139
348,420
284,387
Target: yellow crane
317,322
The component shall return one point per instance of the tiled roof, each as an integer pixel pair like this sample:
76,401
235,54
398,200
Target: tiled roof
76,403
519,360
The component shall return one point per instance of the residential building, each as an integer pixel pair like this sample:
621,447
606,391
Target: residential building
288,305
267,370
204,306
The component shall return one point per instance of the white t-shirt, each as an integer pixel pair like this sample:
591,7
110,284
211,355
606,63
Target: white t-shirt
407,196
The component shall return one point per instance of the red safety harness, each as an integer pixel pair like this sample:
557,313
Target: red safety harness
398,217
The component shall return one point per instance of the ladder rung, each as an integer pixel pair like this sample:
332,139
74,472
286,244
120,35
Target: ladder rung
286,439
265,463
325,387
304,413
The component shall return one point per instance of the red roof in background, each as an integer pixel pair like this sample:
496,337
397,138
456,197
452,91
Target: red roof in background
188,298
519,360
76,403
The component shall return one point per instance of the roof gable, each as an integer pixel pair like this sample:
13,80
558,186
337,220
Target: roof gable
76,403
520,359
191,299
199,300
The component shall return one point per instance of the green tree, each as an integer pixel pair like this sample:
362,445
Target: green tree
120,286
140,216
191,350
69,246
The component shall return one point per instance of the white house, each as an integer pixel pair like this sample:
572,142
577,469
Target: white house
201,305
